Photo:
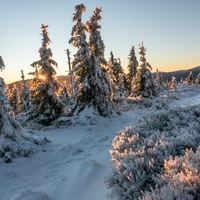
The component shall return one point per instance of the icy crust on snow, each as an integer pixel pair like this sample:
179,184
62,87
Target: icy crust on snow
140,152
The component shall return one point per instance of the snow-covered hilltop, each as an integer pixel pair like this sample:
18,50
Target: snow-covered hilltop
103,134
76,162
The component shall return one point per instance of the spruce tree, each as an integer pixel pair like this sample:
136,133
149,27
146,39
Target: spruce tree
63,94
101,88
46,103
92,84
132,67
144,84
81,64
111,75
159,81
116,76
24,103
190,79
173,83
14,142
14,99
2,66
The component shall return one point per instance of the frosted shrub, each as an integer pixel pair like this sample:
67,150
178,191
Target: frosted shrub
139,152
180,180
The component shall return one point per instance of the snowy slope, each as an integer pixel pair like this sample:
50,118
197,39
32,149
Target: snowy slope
74,165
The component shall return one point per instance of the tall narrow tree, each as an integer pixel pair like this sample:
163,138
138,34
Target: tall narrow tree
24,103
2,66
132,67
101,88
144,83
117,77
46,103
81,63
91,85
14,99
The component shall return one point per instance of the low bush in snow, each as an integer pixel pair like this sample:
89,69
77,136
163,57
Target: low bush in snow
180,180
140,152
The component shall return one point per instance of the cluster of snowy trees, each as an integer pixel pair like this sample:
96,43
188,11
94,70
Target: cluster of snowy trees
14,140
159,157
96,83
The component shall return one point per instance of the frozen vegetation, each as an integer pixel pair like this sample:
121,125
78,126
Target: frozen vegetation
110,135
155,154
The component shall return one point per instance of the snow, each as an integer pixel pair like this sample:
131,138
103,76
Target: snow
74,164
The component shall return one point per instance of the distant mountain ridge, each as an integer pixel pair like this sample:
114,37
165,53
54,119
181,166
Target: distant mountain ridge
18,84
166,76
180,73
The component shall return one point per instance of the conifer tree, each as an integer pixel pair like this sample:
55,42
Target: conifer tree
24,103
92,85
14,140
2,66
14,99
116,76
117,69
101,88
159,81
46,103
111,75
118,79
64,97
132,67
144,83
81,63
10,130
190,79
173,83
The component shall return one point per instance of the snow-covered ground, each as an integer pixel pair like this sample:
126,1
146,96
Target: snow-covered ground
73,166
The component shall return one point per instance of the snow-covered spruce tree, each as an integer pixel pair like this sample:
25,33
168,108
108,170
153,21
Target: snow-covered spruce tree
46,103
159,81
111,75
173,83
190,79
14,140
81,64
9,128
14,99
197,80
63,94
24,103
132,67
92,87
102,89
117,77
117,69
2,66
144,83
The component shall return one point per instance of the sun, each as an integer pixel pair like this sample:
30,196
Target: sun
41,77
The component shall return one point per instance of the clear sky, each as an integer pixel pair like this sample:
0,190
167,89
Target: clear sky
170,30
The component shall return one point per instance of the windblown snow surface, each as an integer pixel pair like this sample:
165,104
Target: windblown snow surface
73,166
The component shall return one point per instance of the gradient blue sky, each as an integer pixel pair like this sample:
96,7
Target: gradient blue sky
170,31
